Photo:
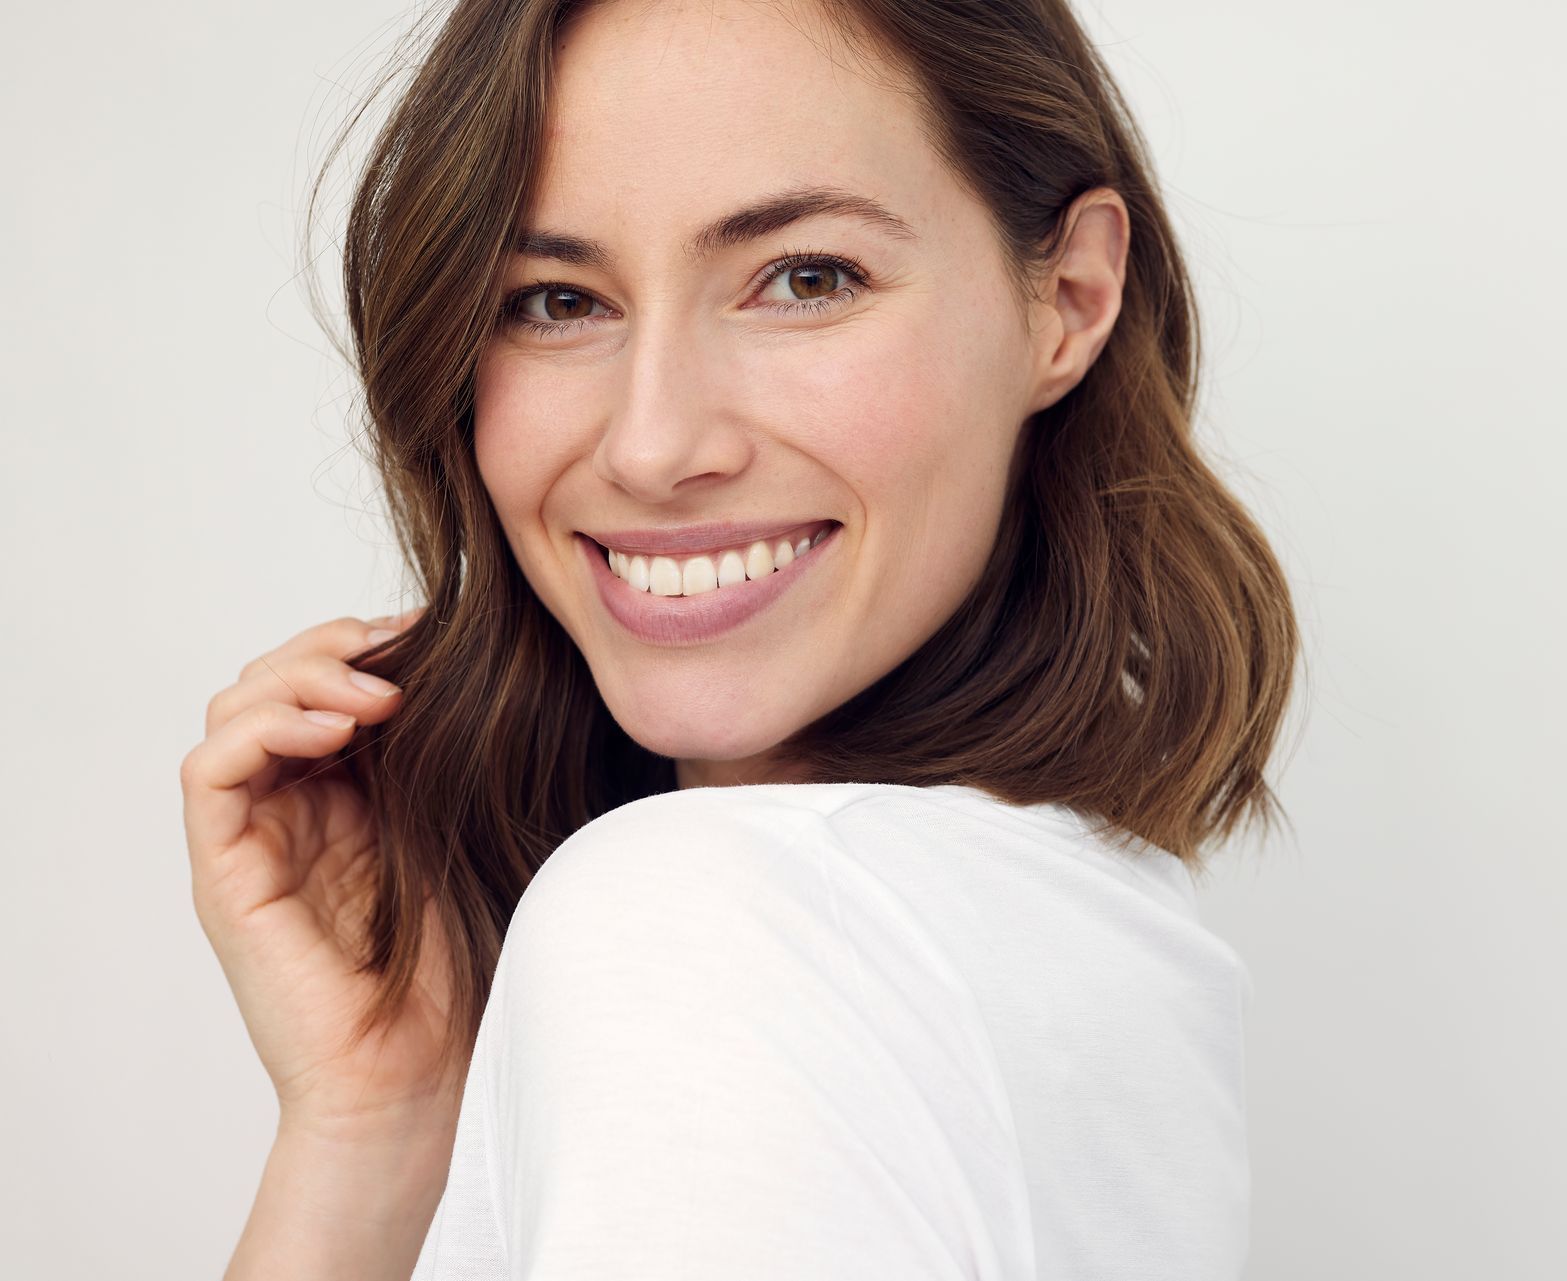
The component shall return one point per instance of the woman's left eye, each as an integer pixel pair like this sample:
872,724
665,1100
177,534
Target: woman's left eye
812,282
825,280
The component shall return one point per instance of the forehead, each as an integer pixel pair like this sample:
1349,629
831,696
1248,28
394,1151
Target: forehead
674,109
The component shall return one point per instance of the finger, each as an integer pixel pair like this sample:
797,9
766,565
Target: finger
398,620
215,773
307,680
340,637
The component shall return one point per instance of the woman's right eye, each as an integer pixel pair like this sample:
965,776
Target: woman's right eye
565,308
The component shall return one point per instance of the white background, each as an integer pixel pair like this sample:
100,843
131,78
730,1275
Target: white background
1370,196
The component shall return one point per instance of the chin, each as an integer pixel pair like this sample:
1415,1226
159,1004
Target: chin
728,728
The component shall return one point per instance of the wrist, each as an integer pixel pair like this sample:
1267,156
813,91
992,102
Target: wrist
380,1175
340,1138
340,1201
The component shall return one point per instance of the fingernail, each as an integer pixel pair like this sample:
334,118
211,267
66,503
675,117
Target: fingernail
372,684
335,719
379,634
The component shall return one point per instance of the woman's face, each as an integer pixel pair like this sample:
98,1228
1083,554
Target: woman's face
677,379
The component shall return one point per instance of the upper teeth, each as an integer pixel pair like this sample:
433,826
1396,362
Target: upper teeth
667,576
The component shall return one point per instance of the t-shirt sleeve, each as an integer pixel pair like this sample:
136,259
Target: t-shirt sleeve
718,1048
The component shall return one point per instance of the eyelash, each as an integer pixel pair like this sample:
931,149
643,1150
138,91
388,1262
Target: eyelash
511,308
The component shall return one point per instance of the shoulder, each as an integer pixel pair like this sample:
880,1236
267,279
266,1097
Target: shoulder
731,832
693,856
689,862
711,1024
731,836
715,894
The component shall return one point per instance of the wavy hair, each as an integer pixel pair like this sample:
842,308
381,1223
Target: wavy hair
1128,652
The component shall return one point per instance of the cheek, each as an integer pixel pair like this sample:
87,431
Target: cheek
914,414
516,455
522,443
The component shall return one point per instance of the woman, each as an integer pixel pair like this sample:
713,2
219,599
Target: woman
786,410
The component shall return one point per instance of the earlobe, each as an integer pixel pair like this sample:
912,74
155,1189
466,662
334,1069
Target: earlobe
1077,310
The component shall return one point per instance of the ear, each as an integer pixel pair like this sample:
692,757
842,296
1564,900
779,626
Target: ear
1071,319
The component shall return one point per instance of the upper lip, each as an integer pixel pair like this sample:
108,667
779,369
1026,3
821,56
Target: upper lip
691,539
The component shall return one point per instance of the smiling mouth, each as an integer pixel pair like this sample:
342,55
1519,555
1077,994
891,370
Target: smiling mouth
692,575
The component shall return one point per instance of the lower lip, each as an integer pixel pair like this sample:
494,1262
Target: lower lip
690,620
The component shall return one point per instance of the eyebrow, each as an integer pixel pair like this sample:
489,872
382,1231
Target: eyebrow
752,222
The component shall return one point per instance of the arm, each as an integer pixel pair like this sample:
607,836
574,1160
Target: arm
334,1206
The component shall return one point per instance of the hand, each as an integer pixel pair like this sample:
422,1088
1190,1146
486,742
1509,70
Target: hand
283,869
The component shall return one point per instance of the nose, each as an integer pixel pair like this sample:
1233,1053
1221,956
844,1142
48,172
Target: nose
669,422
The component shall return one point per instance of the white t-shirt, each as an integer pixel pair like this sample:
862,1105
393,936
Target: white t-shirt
852,1032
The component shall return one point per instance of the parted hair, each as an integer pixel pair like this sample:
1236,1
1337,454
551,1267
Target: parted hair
1128,651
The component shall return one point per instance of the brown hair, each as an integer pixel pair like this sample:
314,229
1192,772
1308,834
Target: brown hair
1128,652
